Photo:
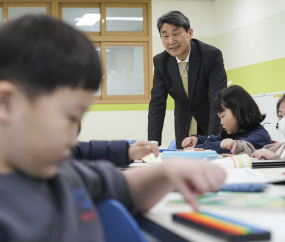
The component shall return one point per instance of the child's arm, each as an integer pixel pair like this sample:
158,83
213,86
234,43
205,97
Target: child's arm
115,151
149,184
119,152
192,141
211,142
237,146
210,138
138,189
257,140
213,146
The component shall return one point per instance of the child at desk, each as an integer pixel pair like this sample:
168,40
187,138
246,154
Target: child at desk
49,73
275,151
240,120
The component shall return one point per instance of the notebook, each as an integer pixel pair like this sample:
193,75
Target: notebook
248,175
256,164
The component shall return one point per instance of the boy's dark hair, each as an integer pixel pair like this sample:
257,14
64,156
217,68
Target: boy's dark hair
174,17
242,106
281,100
40,54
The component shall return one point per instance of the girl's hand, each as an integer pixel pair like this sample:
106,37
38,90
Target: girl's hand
229,144
190,142
263,154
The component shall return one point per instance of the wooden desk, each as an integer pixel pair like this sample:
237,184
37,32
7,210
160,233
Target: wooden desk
269,219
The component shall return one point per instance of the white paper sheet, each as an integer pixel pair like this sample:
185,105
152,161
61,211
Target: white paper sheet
247,175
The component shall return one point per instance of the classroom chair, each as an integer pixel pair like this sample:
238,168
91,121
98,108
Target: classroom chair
131,141
172,145
118,223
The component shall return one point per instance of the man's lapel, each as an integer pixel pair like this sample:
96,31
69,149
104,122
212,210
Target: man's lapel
193,69
173,70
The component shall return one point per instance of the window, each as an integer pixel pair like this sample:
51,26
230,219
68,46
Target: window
10,10
126,71
126,19
85,17
16,10
121,34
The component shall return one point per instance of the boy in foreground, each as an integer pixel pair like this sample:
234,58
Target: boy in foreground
48,74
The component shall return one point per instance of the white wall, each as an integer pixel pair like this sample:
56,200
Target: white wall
200,14
117,125
249,31
233,14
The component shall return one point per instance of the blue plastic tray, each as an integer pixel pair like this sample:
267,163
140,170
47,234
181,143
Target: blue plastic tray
208,154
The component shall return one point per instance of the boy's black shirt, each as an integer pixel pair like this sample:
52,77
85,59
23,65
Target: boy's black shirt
61,209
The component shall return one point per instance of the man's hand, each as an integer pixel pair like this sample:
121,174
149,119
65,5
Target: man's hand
142,148
229,144
194,177
190,142
263,154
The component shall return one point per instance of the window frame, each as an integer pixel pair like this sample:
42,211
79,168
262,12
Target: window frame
127,33
54,8
145,71
7,5
82,5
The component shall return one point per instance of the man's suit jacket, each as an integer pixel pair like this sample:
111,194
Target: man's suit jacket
206,76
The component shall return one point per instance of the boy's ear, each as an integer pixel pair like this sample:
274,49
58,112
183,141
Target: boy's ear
7,92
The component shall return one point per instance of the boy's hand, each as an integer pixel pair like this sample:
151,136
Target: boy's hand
142,148
194,177
229,144
190,142
263,154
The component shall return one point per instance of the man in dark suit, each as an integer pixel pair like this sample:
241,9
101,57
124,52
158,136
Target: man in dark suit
192,72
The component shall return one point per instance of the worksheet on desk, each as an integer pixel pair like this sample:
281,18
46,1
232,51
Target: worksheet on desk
247,175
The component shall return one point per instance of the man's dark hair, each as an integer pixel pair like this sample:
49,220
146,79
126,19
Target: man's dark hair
242,106
174,17
40,54
281,100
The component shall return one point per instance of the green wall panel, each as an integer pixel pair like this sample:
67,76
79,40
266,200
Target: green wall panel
258,78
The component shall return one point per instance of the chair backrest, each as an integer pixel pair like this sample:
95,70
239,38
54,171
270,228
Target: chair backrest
172,145
118,223
131,141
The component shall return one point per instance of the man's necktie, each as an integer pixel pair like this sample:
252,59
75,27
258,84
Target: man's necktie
184,77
